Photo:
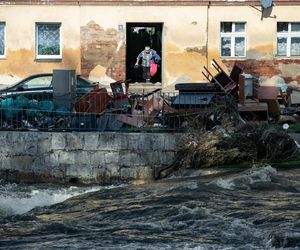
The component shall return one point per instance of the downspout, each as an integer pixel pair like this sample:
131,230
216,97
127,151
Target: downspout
207,31
80,63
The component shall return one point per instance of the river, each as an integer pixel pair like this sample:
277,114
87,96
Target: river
257,208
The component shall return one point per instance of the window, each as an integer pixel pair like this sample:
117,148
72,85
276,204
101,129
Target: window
233,39
2,40
48,41
38,82
288,39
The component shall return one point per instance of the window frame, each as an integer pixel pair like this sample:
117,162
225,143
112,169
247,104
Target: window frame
288,35
51,57
233,35
4,54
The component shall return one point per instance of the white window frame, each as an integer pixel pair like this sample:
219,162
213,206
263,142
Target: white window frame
4,55
36,41
232,35
288,35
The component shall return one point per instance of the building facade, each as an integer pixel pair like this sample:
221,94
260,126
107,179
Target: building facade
101,39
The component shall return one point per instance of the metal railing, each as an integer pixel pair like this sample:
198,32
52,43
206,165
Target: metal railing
98,110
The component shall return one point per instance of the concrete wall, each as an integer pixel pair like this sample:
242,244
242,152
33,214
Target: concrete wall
84,157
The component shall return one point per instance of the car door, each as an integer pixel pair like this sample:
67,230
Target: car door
38,88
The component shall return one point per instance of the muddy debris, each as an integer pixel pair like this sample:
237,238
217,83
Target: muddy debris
226,145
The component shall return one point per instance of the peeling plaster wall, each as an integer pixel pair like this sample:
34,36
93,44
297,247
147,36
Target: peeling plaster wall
94,45
103,46
261,38
102,52
20,22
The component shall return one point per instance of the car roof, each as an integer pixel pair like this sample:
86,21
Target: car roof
41,75
46,74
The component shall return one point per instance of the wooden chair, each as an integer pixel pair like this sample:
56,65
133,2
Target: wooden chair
224,81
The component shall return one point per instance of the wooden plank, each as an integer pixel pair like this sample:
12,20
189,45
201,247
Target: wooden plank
252,107
268,93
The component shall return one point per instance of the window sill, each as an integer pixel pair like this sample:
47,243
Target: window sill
49,59
2,57
287,57
233,57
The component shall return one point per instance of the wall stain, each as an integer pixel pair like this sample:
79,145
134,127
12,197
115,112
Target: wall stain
22,62
181,64
201,50
265,52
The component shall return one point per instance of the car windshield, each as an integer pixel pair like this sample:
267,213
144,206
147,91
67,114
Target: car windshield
37,82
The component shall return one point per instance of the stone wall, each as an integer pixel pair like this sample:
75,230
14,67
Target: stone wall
84,157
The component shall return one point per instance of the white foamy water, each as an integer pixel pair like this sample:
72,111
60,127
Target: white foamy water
256,209
13,201
246,178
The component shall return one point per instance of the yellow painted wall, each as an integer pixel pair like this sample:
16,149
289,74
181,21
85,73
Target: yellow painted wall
184,35
20,22
261,34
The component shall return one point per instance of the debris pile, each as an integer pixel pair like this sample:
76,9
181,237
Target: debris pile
227,146
255,100
95,110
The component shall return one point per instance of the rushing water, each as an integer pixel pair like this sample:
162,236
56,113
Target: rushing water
256,208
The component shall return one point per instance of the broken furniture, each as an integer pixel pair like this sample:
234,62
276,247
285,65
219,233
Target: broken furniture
192,100
247,87
253,111
135,119
150,109
224,81
120,94
197,98
250,109
196,87
194,95
94,101
269,94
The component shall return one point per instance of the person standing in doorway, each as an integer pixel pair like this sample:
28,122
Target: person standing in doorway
147,55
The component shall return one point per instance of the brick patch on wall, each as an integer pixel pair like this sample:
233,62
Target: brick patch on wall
267,68
102,47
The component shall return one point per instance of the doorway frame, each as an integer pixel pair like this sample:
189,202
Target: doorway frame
148,24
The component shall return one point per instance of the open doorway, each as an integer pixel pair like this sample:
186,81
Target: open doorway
139,35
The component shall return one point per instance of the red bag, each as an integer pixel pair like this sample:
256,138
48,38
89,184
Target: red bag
153,68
